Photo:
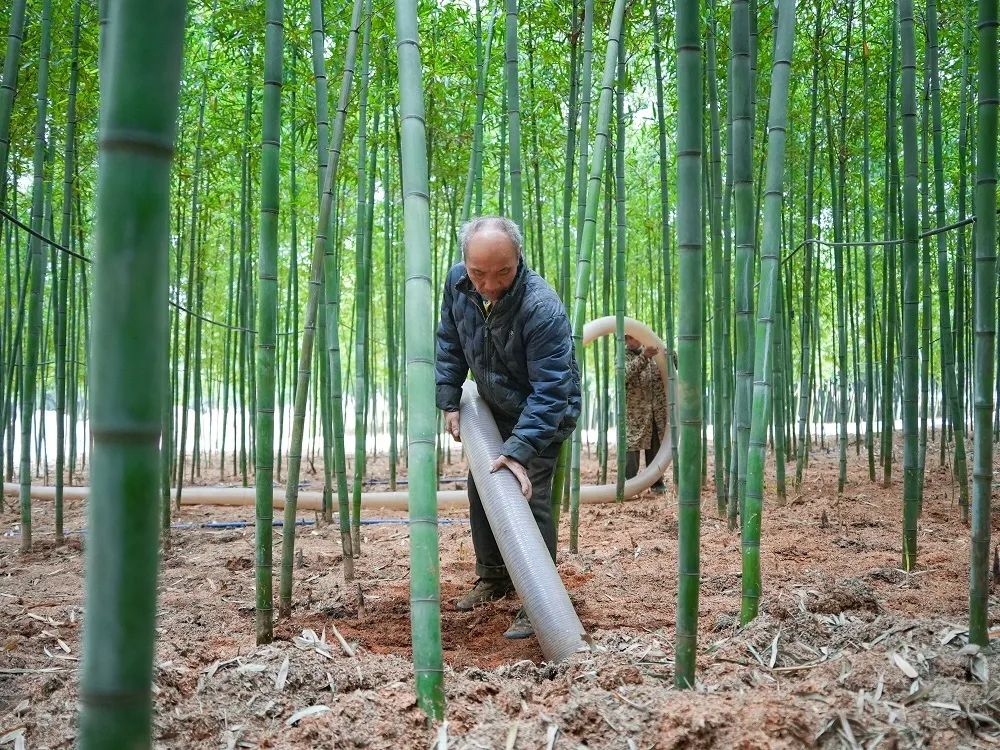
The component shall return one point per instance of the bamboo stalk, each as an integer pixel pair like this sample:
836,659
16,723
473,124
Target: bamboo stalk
425,604
137,136
690,250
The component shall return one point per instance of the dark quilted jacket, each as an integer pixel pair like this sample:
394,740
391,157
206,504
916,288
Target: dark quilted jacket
521,357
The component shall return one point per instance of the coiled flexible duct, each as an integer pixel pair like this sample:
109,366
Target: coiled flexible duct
535,577
312,500
651,474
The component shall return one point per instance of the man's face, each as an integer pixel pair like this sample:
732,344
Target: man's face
491,262
631,342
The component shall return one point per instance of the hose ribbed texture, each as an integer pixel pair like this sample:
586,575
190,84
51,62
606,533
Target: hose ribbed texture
556,624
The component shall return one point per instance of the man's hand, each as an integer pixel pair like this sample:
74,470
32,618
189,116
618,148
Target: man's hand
649,352
519,472
451,423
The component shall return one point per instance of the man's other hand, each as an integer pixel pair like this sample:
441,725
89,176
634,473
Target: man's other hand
519,472
451,421
650,351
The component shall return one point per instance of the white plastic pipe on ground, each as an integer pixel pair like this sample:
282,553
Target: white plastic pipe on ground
312,500
535,577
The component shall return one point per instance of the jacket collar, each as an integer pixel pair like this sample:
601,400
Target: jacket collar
508,301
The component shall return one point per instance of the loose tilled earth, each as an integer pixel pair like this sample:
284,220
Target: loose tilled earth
849,650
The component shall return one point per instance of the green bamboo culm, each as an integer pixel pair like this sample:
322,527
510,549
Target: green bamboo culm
838,178
36,261
563,460
69,168
320,243
513,115
267,313
362,239
476,157
567,196
620,244
129,365
425,572
963,172
661,133
192,360
890,226
586,94
389,260
331,291
568,466
768,308
741,92
869,271
588,240
984,287
8,86
559,481
956,409
911,472
720,405
691,293
805,331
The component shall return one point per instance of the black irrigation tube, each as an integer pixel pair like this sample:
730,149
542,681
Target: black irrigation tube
277,523
881,243
441,480
874,243
18,223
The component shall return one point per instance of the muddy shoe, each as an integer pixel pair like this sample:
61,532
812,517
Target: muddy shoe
521,627
659,488
485,590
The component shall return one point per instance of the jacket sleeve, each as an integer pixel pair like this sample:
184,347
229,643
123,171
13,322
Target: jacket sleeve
450,367
549,350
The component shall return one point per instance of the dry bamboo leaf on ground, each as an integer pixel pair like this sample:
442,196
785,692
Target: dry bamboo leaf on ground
904,666
309,641
305,712
952,634
550,739
848,734
17,737
279,681
250,668
217,665
512,735
61,643
343,644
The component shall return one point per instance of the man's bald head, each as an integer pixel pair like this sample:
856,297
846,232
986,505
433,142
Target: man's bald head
491,247
491,224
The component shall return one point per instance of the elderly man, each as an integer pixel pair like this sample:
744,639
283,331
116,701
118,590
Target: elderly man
645,408
502,321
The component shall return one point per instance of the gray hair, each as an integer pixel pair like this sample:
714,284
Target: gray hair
470,228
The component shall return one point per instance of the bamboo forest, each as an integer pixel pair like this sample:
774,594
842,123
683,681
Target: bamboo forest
499,374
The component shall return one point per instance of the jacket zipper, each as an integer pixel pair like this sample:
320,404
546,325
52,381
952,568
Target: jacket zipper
487,343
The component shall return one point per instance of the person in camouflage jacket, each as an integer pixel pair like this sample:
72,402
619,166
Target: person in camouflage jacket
645,407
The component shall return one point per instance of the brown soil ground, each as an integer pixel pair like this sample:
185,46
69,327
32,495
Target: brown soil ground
829,663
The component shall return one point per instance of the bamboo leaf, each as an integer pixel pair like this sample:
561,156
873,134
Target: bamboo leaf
904,666
305,712
279,680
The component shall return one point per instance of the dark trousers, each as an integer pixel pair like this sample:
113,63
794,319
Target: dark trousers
489,561
632,457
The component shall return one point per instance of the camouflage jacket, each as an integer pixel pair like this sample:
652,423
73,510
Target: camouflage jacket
645,401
